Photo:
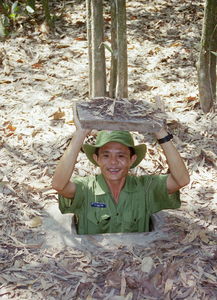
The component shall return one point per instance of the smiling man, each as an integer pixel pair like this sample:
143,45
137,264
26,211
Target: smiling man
115,201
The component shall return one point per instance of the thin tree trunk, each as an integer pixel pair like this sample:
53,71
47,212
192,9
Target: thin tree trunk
113,71
207,60
213,57
122,86
98,50
45,4
89,39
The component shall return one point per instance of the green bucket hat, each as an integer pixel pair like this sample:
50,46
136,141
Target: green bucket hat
122,137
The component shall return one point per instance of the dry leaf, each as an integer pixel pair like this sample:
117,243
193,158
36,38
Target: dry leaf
37,66
58,115
34,222
204,237
168,285
190,237
5,180
183,276
123,284
113,279
35,132
176,44
147,264
71,122
44,28
80,38
11,127
191,98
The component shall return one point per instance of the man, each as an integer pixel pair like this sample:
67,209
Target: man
114,201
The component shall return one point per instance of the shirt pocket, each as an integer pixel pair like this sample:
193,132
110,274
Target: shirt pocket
130,221
98,220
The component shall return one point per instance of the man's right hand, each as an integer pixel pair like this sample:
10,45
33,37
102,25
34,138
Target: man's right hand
77,122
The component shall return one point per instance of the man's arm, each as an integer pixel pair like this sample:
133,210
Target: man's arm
61,179
179,176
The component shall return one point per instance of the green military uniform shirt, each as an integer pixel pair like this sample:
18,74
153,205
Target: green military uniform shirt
97,211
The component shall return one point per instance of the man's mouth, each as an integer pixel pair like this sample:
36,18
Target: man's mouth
113,170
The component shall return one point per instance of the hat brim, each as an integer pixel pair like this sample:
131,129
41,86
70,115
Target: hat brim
140,151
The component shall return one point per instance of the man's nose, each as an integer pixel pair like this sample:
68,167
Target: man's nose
113,160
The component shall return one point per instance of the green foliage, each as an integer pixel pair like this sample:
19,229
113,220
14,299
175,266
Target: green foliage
11,11
31,4
4,25
15,10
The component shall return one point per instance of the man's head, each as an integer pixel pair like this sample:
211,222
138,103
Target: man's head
124,138
114,160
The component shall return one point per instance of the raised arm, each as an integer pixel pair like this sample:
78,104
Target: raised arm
61,179
179,176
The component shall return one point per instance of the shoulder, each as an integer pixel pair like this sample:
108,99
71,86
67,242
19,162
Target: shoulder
143,179
86,183
136,182
147,181
78,180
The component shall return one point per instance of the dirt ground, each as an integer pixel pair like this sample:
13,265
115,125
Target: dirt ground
42,73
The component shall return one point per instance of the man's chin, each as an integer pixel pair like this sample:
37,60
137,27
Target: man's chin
114,176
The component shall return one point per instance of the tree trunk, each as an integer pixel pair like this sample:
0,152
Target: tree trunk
98,50
122,77
113,71
45,4
89,17
207,60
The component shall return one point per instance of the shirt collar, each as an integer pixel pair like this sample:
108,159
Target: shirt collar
102,188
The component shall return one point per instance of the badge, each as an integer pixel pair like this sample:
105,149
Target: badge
98,204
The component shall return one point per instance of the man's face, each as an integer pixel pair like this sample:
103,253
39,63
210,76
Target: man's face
114,161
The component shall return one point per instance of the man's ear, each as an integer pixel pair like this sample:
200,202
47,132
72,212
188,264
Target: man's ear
95,157
133,158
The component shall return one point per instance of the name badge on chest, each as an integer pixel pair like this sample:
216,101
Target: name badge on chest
98,204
